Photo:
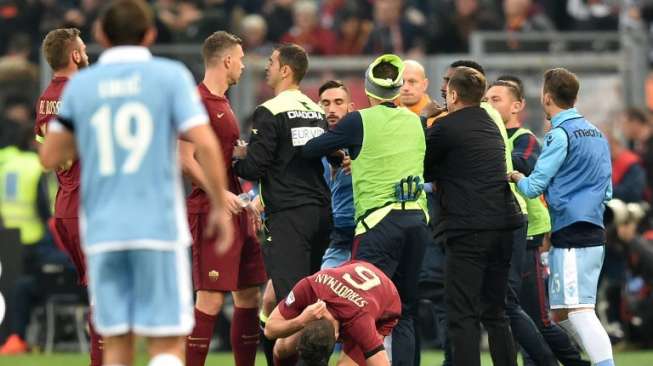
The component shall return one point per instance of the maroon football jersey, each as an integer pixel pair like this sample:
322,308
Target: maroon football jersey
224,125
67,204
359,295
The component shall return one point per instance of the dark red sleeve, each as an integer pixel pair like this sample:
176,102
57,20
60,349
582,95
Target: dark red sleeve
297,300
362,332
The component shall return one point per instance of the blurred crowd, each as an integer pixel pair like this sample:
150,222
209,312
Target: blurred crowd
330,27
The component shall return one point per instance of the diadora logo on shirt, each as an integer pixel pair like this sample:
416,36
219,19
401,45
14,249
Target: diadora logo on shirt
305,114
301,135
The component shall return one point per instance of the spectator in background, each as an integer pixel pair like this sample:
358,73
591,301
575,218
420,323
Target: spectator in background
178,17
253,29
628,175
595,15
24,205
525,16
452,24
82,17
353,32
279,17
307,31
17,109
392,32
637,130
414,93
15,65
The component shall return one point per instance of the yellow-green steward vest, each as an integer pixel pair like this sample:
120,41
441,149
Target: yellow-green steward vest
539,221
393,148
496,117
19,180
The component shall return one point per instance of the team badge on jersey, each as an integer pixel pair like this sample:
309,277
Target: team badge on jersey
214,275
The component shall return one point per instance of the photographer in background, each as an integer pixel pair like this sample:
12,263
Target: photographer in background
636,297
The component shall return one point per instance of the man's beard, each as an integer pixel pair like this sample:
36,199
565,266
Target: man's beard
81,64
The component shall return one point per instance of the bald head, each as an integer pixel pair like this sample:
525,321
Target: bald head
415,83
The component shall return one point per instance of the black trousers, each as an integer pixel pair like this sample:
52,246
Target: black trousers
396,246
524,329
295,242
534,301
476,281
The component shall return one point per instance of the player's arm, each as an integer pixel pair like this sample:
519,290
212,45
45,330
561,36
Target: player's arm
192,169
525,152
348,133
262,146
278,326
190,120
189,165
547,166
58,146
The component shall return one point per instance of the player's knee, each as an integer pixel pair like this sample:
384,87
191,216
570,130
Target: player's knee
247,298
560,315
209,302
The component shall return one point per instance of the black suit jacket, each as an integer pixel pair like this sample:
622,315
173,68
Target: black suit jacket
465,156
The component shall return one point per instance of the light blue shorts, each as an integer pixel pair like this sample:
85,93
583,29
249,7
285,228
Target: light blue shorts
574,276
147,292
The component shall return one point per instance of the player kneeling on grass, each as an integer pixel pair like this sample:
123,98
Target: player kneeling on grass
355,303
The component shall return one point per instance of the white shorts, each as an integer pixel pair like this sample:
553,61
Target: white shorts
147,292
574,276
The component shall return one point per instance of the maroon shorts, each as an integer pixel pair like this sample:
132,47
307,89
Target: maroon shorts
66,236
241,267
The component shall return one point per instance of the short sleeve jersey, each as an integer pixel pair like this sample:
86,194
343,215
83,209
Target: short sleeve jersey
126,112
359,295
47,107
225,126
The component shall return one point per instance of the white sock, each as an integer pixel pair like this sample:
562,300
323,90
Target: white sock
594,339
165,359
571,332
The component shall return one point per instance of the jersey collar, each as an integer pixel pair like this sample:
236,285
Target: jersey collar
125,54
565,115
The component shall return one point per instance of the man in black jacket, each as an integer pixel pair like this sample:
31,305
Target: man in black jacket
465,156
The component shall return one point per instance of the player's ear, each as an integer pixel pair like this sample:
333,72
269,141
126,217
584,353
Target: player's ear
227,61
149,37
76,56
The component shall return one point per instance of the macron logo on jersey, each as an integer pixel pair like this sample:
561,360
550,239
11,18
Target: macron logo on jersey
301,135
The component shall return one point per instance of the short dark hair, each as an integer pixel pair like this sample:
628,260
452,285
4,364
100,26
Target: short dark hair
637,115
125,22
512,86
295,57
468,83
57,46
517,81
562,85
333,84
385,70
468,63
316,343
217,43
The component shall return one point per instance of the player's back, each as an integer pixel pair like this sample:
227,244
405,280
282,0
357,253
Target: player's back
126,112
355,287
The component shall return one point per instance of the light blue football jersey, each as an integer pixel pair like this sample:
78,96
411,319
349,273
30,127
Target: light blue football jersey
126,112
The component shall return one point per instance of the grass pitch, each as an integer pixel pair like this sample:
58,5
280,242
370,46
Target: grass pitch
632,358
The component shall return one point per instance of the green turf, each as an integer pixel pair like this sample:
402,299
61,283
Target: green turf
635,358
